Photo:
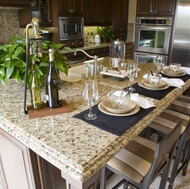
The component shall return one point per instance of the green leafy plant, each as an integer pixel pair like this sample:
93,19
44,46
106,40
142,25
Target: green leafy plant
106,32
13,60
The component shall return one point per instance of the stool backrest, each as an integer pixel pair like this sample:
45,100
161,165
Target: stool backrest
163,154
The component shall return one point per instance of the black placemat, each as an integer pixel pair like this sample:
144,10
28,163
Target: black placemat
113,124
119,125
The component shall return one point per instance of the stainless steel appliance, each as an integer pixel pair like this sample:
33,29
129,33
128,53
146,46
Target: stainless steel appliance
181,40
71,28
153,35
149,57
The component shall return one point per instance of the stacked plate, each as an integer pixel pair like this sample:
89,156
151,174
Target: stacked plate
170,72
158,86
121,110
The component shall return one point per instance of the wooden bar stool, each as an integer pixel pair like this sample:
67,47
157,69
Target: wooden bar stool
142,160
162,125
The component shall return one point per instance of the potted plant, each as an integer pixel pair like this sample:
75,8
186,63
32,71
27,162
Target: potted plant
106,33
13,60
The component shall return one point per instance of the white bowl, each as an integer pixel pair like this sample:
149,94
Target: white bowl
120,109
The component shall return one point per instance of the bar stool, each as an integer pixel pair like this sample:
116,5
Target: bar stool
142,160
162,125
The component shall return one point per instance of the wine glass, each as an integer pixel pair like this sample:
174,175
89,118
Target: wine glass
132,73
90,93
159,64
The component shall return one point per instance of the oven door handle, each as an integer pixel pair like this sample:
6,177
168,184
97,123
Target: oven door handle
146,55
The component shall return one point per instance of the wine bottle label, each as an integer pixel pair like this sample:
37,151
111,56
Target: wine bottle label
47,97
59,94
115,62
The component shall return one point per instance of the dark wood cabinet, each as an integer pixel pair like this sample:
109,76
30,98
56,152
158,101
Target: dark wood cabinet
120,18
13,3
156,7
97,12
71,7
40,9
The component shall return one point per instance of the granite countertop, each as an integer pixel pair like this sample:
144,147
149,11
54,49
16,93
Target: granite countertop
89,46
75,147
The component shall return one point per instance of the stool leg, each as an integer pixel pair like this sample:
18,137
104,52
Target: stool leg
103,178
176,162
187,158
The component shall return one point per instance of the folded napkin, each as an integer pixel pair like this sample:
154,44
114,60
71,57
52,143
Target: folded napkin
173,82
143,102
186,70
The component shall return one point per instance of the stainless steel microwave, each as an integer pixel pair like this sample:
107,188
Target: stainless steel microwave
71,28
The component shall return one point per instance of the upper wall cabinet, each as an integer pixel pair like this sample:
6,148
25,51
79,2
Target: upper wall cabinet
71,7
156,7
120,18
97,12
40,9
13,3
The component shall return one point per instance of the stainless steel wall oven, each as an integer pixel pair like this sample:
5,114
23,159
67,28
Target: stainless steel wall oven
152,36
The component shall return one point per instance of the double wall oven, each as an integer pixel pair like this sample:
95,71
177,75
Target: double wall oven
152,38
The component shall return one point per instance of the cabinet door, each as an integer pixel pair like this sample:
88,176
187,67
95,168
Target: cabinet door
120,18
13,3
71,7
164,8
155,7
15,163
97,12
145,7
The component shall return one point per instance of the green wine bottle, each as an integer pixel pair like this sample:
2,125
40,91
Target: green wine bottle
36,89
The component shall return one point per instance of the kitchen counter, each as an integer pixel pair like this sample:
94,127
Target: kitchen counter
90,46
75,147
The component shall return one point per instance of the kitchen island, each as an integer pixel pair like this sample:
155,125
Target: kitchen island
76,148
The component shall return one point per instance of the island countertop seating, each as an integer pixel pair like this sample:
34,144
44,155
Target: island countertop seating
75,147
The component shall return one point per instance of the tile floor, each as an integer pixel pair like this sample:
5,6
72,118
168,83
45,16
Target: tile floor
181,182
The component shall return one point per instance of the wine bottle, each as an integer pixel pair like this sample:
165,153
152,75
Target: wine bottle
53,84
36,89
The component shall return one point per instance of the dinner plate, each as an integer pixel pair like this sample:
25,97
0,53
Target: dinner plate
141,84
161,84
123,109
171,73
132,112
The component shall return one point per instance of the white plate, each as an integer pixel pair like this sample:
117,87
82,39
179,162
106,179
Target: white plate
173,74
132,112
160,85
122,110
141,84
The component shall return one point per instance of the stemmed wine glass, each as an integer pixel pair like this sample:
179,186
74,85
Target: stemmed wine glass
132,73
159,64
90,93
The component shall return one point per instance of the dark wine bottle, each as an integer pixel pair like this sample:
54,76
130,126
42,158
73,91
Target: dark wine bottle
36,89
53,84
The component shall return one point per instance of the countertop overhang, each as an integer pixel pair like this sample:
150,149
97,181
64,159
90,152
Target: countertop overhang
73,146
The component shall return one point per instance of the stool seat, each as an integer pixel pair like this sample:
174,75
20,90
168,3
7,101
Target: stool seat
143,160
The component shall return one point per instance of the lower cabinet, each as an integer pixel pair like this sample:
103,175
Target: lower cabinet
15,165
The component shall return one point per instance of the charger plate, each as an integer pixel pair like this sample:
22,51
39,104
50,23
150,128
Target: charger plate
171,73
161,84
132,112
141,84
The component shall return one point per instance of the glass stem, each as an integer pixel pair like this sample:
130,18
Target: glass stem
90,109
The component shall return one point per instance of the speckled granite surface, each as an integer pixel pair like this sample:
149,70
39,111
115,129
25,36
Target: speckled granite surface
70,144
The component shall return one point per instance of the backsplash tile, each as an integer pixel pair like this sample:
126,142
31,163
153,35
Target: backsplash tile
9,26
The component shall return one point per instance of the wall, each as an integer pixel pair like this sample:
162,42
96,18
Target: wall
131,20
